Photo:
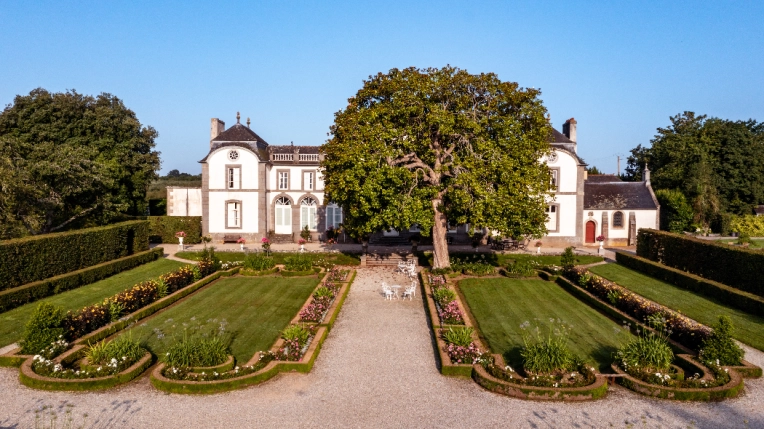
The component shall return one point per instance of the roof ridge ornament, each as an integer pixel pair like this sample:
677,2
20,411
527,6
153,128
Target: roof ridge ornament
238,118
248,122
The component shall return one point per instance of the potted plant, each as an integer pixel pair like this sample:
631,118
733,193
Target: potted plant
266,244
305,233
538,246
302,242
601,240
206,239
241,242
180,235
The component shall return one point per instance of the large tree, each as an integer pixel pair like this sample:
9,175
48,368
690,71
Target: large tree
716,163
433,146
70,159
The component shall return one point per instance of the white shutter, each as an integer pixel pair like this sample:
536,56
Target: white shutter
236,178
287,216
307,180
303,216
313,223
230,209
279,216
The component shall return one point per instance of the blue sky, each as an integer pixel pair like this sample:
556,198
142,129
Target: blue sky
620,68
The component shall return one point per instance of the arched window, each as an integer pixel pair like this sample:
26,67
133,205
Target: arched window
283,201
618,220
308,208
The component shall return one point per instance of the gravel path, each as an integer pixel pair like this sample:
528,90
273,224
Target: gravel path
377,369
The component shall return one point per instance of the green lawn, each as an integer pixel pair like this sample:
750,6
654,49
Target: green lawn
500,305
501,260
748,328
755,243
278,257
256,310
12,322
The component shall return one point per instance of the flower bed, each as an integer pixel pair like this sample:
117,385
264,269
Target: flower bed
447,305
683,329
337,275
322,299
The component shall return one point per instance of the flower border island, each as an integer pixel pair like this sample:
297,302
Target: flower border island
264,366
31,379
479,372
685,339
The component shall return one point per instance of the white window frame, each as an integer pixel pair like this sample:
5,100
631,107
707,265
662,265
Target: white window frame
283,179
308,208
308,184
237,214
331,216
233,177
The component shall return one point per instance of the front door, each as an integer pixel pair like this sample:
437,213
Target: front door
590,231
283,218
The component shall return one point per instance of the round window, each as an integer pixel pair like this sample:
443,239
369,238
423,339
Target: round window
233,155
552,157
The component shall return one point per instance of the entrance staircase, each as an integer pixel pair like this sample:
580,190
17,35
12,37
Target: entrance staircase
282,238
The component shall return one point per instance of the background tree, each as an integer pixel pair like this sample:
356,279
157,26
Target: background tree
68,159
716,164
432,146
593,170
676,212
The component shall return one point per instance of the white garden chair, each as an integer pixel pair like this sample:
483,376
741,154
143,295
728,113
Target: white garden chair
387,291
409,292
402,267
411,271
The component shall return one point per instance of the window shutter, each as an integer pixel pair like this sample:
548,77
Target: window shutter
303,216
313,224
230,214
236,178
337,217
279,216
329,216
288,216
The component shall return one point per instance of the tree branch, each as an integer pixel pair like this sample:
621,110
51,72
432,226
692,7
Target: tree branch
73,218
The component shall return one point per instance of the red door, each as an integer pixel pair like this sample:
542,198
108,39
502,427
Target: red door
590,227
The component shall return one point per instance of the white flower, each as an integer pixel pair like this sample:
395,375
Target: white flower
98,369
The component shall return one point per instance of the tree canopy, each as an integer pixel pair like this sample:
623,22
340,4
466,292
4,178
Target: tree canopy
433,146
70,159
716,163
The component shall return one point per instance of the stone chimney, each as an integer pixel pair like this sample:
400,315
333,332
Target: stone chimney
216,127
646,175
569,129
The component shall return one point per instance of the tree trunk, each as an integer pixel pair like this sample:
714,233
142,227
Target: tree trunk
439,243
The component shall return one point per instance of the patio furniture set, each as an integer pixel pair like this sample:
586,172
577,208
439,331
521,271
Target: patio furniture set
508,244
391,291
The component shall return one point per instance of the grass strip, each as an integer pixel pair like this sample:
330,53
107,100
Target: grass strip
12,322
749,329
500,305
256,310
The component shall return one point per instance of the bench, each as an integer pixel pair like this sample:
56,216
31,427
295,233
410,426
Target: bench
231,238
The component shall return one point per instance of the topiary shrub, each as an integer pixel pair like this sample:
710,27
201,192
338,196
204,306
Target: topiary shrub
568,259
545,354
42,329
719,347
649,352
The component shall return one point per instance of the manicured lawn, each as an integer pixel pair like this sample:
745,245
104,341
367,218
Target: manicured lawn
256,310
755,243
501,260
500,305
278,257
748,328
12,322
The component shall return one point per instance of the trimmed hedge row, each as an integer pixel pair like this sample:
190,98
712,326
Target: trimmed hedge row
738,267
596,390
728,295
31,292
163,229
30,259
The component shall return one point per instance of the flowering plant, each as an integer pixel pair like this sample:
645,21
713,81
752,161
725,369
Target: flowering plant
600,238
539,244
464,355
301,241
241,240
266,244
180,234
450,314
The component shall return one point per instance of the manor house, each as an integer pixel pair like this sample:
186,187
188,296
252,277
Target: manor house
250,188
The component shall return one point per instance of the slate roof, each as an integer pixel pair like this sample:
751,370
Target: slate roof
558,137
242,136
239,133
618,196
603,178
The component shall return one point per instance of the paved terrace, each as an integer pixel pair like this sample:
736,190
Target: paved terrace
377,369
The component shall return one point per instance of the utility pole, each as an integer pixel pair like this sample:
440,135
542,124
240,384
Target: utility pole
619,165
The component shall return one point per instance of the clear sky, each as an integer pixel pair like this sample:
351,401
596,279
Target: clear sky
620,68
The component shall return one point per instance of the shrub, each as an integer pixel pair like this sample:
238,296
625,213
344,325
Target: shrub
163,229
199,347
461,336
305,233
39,257
649,352
298,263
42,329
719,347
123,348
676,213
259,262
568,259
751,225
443,296
744,238
523,268
734,266
297,333
478,268
546,354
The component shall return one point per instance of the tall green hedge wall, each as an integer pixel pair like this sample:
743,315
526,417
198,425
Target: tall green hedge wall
29,259
737,267
163,229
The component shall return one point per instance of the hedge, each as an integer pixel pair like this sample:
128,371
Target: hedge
738,267
596,390
39,257
750,224
31,292
163,229
727,295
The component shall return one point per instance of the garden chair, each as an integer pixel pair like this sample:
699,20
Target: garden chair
409,292
414,286
402,267
387,291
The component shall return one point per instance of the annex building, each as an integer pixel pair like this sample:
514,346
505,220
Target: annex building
252,189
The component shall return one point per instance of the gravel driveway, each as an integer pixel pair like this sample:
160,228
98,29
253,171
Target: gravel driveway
377,369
